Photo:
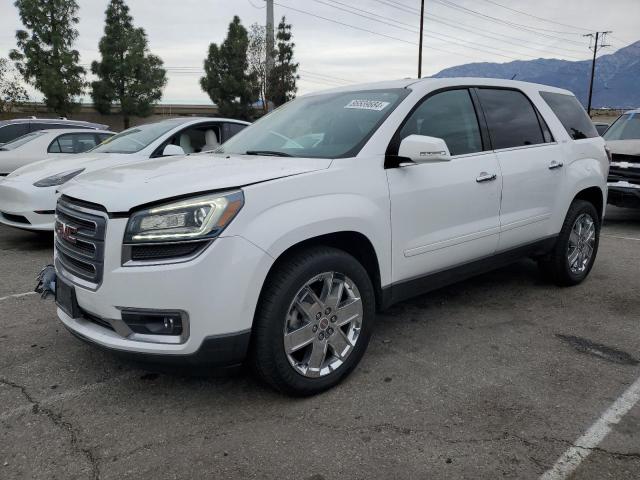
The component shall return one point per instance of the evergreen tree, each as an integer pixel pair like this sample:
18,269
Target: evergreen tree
227,80
45,57
128,74
284,74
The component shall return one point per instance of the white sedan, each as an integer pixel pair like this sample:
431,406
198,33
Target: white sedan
35,146
28,195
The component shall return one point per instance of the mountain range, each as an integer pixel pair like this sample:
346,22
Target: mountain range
616,84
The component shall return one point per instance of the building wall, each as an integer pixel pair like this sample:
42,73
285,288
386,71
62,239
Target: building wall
115,121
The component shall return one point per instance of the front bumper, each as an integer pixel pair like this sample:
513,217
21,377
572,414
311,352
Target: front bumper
27,207
624,194
218,290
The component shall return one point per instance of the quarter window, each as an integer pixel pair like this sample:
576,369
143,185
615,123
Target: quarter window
571,114
13,131
449,115
511,118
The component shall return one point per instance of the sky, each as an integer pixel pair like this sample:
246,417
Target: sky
339,42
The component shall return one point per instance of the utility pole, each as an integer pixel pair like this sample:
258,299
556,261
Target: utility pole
599,42
269,51
420,47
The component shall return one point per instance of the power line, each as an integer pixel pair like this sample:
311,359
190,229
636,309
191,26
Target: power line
367,30
595,37
539,18
500,21
477,31
438,36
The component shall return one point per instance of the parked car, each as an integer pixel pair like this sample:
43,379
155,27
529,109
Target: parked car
17,127
601,127
623,140
279,247
42,144
28,195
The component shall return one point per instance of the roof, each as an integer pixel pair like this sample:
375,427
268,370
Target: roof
628,112
183,120
73,130
434,83
51,120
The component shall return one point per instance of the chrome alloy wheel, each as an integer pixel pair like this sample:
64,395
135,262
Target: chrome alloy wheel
323,324
581,244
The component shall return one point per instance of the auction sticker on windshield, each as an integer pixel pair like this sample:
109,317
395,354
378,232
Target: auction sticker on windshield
367,105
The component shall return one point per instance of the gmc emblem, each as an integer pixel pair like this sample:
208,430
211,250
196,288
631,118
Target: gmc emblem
66,232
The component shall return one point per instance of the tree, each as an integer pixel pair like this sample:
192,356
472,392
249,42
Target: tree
227,80
45,56
128,74
257,60
12,93
284,75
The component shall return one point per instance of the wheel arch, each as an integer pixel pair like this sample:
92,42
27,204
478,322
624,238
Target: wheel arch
593,195
354,243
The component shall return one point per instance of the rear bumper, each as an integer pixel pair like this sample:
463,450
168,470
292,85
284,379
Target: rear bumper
624,194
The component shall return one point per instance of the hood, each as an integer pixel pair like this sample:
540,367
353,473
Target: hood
52,166
624,147
123,187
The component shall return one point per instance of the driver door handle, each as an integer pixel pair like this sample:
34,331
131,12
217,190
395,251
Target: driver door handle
485,177
553,165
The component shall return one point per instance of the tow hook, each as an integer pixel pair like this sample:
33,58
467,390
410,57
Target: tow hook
46,282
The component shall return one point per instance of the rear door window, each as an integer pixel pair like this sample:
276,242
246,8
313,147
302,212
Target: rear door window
230,129
511,118
573,117
449,115
73,143
13,131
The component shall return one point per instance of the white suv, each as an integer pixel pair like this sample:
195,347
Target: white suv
279,247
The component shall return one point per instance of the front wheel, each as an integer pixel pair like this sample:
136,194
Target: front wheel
575,251
313,322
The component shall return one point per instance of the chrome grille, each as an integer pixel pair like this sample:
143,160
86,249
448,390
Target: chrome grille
79,239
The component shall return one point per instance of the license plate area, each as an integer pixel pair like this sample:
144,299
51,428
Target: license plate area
66,298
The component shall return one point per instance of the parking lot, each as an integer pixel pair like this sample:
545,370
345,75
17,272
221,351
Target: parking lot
494,377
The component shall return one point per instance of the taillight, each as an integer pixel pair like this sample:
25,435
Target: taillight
608,152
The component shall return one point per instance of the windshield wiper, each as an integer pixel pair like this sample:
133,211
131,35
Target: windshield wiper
272,153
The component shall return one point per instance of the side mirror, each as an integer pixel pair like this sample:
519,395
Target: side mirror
424,149
171,149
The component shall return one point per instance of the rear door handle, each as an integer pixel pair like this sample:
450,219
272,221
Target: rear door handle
485,177
553,165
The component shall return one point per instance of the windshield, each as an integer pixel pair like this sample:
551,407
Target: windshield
135,139
332,125
626,127
18,142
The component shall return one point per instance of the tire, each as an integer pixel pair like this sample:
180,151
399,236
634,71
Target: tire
272,356
557,265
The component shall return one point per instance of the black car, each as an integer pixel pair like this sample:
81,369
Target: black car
17,127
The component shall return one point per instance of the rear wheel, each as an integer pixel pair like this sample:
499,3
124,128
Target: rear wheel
313,322
575,251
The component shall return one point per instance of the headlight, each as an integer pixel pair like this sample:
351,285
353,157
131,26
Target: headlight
58,178
196,218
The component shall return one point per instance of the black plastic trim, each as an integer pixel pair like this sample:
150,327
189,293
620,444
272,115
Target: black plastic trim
217,351
400,291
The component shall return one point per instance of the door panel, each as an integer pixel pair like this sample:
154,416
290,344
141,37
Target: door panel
530,190
441,216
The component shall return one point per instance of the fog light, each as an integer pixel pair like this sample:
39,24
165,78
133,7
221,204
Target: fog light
153,323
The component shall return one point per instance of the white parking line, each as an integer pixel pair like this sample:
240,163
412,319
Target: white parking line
582,447
621,238
17,295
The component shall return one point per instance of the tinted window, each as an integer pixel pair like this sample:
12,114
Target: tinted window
10,132
20,141
450,116
626,127
230,129
73,143
512,120
571,114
